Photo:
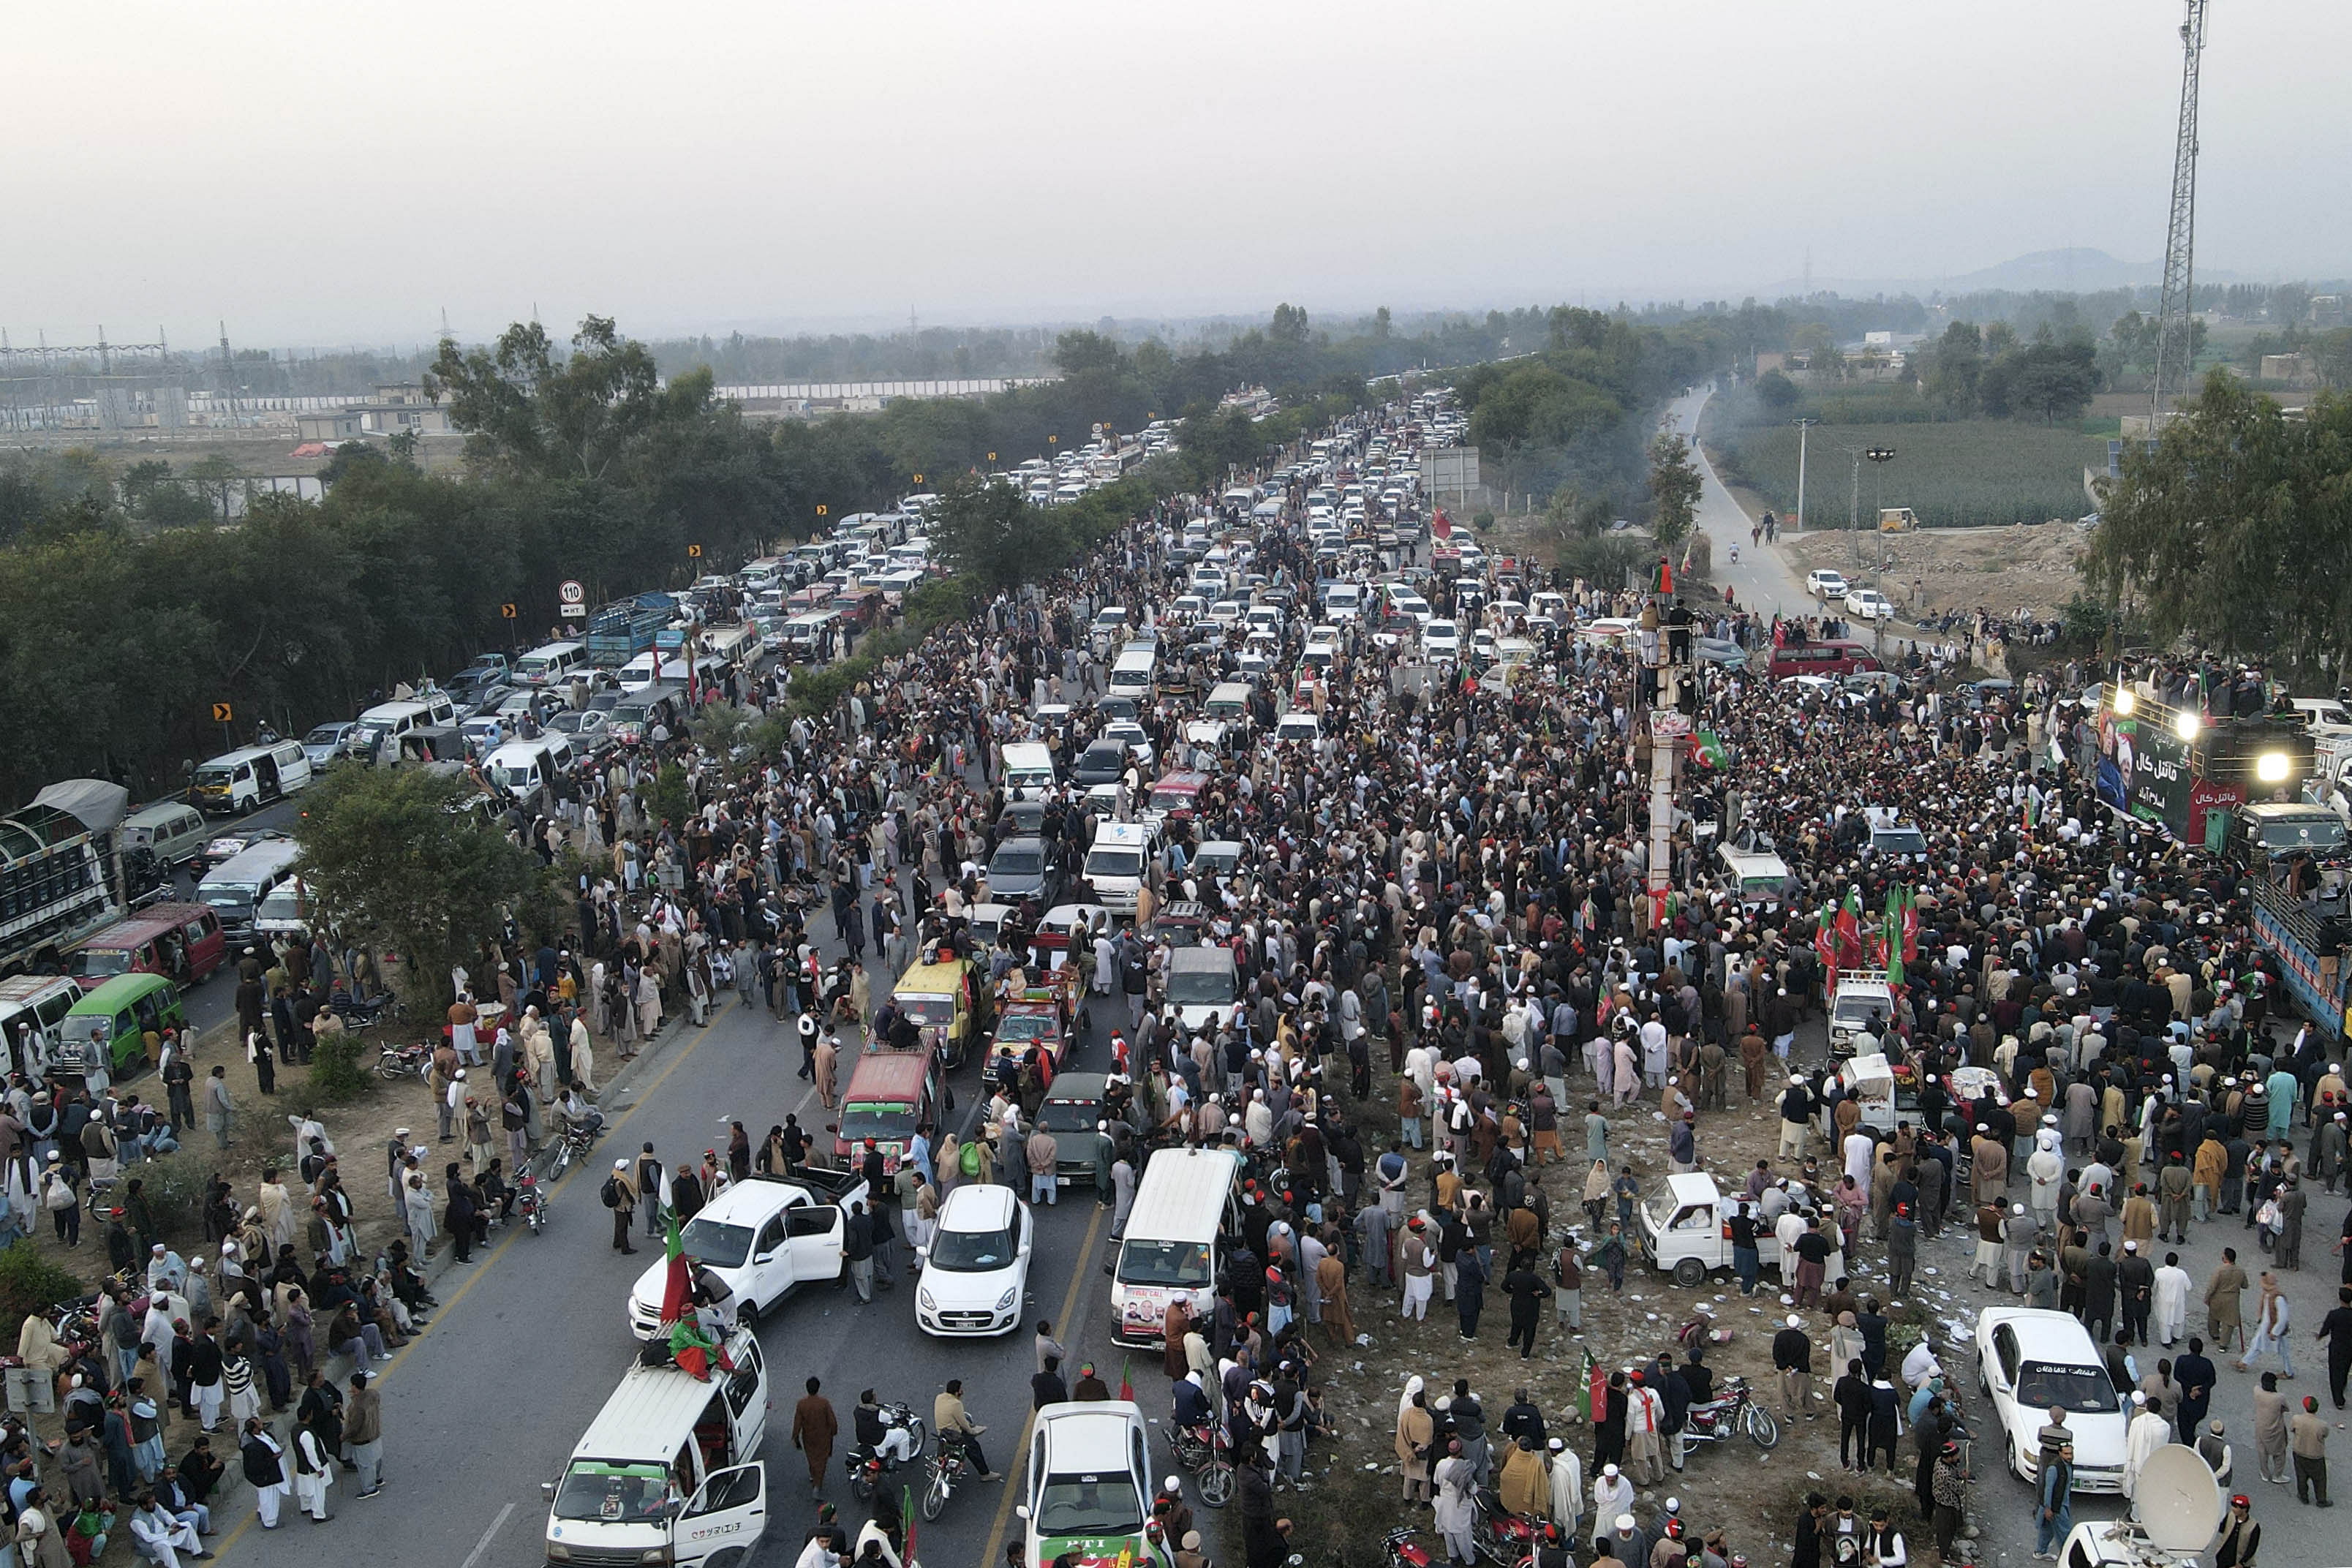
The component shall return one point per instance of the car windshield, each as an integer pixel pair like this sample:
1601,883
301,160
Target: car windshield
88,1028
1200,987
1144,1262
1115,863
2080,1390
885,1121
1069,1115
99,963
324,735
613,1494
927,1009
2296,833
1016,863
1082,1505
1901,841
721,1245
971,1251
1172,799
1024,1026
210,777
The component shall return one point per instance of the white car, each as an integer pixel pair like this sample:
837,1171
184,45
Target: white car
1869,605
762,1237
1298,724
1441,640
1089,1483
976,1268
2030,1359
1825,583
1131,735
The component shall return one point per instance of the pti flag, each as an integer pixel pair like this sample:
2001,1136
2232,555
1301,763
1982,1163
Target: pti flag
675,1282
1707,749
1442,525
1894,935
1848,930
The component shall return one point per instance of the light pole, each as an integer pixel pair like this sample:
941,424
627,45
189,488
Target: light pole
1880,457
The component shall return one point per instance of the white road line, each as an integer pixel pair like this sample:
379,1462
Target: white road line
483,1544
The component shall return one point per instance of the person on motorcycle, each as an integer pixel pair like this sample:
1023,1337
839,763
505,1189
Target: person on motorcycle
580,1120
879,1433
1192,1411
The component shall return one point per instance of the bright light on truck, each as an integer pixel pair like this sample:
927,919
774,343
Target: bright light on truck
2271,767
2184,724
2127,701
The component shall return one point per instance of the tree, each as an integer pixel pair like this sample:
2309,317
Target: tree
398,854
985,531
1954,368
524,411
1384,326
2053,380
1289,325
1675,488
1077,353
2236,530
215,475
1778,392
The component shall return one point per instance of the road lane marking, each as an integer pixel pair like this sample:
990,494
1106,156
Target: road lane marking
996,1552
483,1544
441,1313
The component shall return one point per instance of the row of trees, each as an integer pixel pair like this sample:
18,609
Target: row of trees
2235,530
1988,372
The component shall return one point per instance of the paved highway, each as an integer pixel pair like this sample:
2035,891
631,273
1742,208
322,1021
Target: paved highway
529,1341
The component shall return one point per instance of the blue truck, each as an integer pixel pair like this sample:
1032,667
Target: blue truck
626,627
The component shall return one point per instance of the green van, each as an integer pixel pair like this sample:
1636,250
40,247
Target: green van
114,1018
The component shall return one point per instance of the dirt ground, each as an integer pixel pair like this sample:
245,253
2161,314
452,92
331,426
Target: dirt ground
1732,1485
2000,570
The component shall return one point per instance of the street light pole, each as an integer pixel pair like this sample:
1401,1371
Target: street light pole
1880,457
1804,427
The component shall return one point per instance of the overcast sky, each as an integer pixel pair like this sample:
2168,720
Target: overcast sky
324,174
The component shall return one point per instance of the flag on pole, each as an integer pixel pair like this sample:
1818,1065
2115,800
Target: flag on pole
1825,947
675,1283
1849,929
1442,525
1126,1382
907,1513
1665,584
1910,923
1707,749
1894,936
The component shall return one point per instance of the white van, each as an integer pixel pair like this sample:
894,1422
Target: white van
234,890
1345,602
252,777
38,1004
668,1471
529,773
174,833
650,667
728,648
1176,1239
1119,863
1131,675
1760,876
1228,700
1028,770
390,720
553,664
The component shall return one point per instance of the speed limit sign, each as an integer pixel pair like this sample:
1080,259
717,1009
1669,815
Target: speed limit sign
572,593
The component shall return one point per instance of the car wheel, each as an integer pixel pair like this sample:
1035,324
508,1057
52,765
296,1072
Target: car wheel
1690,1274
748,1313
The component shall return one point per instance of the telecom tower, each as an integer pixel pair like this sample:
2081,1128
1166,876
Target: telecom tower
2175,355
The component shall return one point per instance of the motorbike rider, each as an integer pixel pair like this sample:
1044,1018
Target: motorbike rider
581,1119
1192,1411
878,1433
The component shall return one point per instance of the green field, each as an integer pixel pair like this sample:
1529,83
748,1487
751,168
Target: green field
1965,474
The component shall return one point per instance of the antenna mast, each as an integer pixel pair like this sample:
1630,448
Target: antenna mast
2175,342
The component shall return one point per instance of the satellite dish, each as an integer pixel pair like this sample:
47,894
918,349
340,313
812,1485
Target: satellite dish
2179,1502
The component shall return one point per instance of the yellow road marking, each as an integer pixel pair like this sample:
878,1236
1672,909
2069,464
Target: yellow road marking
995,1552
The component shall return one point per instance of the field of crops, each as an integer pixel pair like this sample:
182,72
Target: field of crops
1969,474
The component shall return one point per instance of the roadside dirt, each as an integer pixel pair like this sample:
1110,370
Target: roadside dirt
1998,570
1355,1492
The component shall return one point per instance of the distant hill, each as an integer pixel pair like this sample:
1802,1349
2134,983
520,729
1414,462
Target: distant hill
2075,270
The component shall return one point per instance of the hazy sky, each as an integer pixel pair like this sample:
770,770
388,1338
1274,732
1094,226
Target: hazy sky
323,175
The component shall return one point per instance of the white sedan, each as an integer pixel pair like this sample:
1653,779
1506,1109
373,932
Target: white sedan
1869,605
2029,1360
977,1264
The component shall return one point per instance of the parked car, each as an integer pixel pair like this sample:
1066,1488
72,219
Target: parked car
1869,605
1822,583
2030,1359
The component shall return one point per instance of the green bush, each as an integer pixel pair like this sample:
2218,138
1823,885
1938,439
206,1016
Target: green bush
30,1283
335,1075
174,1190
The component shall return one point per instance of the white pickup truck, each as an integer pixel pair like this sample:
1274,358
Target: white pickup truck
762,1238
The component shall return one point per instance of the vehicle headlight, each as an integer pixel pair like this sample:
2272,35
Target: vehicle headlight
656,1554
1004,1302
923,1299
2271,767
2185,724
2126,702
558,1553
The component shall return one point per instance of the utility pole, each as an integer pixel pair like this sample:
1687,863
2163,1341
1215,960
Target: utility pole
2176,338
1804,428
1853,508
1879,456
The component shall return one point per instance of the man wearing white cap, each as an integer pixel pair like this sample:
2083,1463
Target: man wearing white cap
1629,1541
1612,1494
1567,1482
620,1195
2148,1432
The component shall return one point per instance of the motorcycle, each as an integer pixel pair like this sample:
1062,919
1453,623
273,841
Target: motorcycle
1404,1551
1206,1452
867,1467
531,1202
1734,1412
948,1466
578,1139
1503,1538
365,1012
397,1062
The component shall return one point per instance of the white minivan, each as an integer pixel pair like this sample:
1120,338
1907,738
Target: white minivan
553,664
252,777
669,1471
1119,863
174,833
1178,1233
1131,674
1028,770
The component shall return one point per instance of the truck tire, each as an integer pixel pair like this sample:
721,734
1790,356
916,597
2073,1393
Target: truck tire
1690,1274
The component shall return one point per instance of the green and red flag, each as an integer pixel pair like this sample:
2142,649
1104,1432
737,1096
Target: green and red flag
1849,929
1126,1380
1707,749
1894,935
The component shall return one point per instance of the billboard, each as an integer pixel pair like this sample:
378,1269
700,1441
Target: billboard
1448,469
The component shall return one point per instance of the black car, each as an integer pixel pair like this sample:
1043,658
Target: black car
1104,761
1024,868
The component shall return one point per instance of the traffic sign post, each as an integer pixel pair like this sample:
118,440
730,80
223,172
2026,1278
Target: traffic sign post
574,600
507,611
223,713
694,552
